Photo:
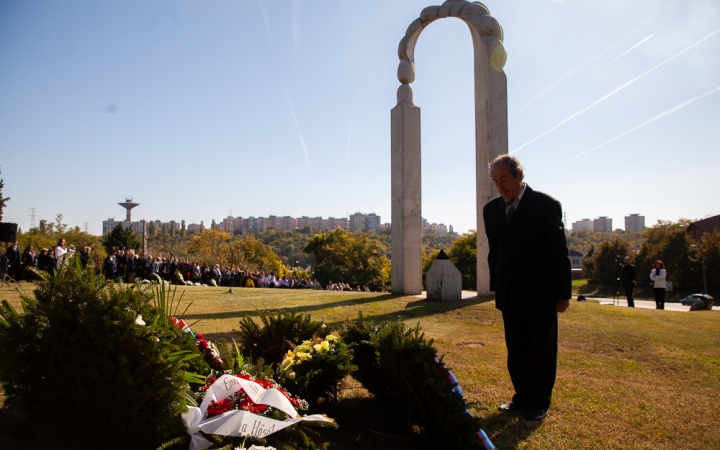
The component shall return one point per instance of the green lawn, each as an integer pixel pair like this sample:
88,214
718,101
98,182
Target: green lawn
627,378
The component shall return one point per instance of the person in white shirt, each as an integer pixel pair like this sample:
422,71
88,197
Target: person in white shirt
60,252
658,275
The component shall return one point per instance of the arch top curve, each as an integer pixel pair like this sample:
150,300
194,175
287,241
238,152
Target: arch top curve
475,14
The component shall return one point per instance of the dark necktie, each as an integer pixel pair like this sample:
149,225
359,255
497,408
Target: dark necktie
510,209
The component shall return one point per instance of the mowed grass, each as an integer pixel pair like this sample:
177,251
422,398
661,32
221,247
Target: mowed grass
627,378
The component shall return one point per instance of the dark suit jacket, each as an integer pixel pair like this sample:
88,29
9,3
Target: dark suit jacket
528,259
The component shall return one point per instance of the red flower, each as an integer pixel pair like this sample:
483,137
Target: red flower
243,376
217,408
249,405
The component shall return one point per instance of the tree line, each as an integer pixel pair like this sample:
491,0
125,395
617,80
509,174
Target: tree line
667,241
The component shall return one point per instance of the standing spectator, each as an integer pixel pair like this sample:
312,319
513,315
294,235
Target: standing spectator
14,261
84,256
60,252
120,263
29,259
658,275
196,276
110,266
45,260
629,277
141,266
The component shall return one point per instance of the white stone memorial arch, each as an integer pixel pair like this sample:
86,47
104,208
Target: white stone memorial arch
491,139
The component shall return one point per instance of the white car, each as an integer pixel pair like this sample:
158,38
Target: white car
690,299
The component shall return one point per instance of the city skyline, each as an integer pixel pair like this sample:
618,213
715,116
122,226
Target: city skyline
264,107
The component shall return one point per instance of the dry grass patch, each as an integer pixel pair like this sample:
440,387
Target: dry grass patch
627,378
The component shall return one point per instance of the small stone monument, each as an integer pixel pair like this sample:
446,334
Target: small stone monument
444,281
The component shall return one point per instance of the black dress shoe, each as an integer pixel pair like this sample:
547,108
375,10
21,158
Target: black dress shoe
535,414
509,407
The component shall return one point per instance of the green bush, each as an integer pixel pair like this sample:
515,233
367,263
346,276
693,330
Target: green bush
284,331
280,331
398,365
81,370
314,368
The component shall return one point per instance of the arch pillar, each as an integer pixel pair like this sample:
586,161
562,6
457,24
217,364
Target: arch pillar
491,139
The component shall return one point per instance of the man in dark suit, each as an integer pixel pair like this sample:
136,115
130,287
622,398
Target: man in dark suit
629,278
531,276
14,259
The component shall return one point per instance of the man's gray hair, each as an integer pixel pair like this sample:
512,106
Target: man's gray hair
514,165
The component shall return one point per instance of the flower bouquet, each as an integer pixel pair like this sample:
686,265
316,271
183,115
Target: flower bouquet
245,407
315,367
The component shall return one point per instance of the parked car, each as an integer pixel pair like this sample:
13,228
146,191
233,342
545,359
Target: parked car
690,299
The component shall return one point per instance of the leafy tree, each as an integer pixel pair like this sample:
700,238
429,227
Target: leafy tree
47,234
288,244
121,238
710,244
583,241
152,229
182,228
353,258
3,201
464,255
210,246
253,254
604,263
669,242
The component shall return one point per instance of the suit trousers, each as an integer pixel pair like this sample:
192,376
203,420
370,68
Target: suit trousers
532,345
629,293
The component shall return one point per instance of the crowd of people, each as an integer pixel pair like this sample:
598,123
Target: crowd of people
16,263
127,266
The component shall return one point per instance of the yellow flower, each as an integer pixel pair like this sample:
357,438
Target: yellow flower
287,362
303,356
291,375
318,348
331,338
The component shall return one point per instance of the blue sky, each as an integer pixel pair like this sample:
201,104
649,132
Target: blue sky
202,109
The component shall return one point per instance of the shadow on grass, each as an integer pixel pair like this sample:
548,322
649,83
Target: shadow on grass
414,309
367,424
423,308
508,431
302,309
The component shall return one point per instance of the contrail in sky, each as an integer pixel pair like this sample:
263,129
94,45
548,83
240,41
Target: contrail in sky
602,99
627,51
282,83
570,73
659,116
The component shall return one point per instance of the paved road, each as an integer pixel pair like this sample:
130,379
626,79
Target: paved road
645,304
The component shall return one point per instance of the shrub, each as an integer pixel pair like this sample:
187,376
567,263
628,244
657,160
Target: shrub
290,338
84,373
314,368
400,366
280,331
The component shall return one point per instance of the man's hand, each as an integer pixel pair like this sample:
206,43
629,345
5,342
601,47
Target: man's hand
562,305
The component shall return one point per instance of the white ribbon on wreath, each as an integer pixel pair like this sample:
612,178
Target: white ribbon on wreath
240,422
